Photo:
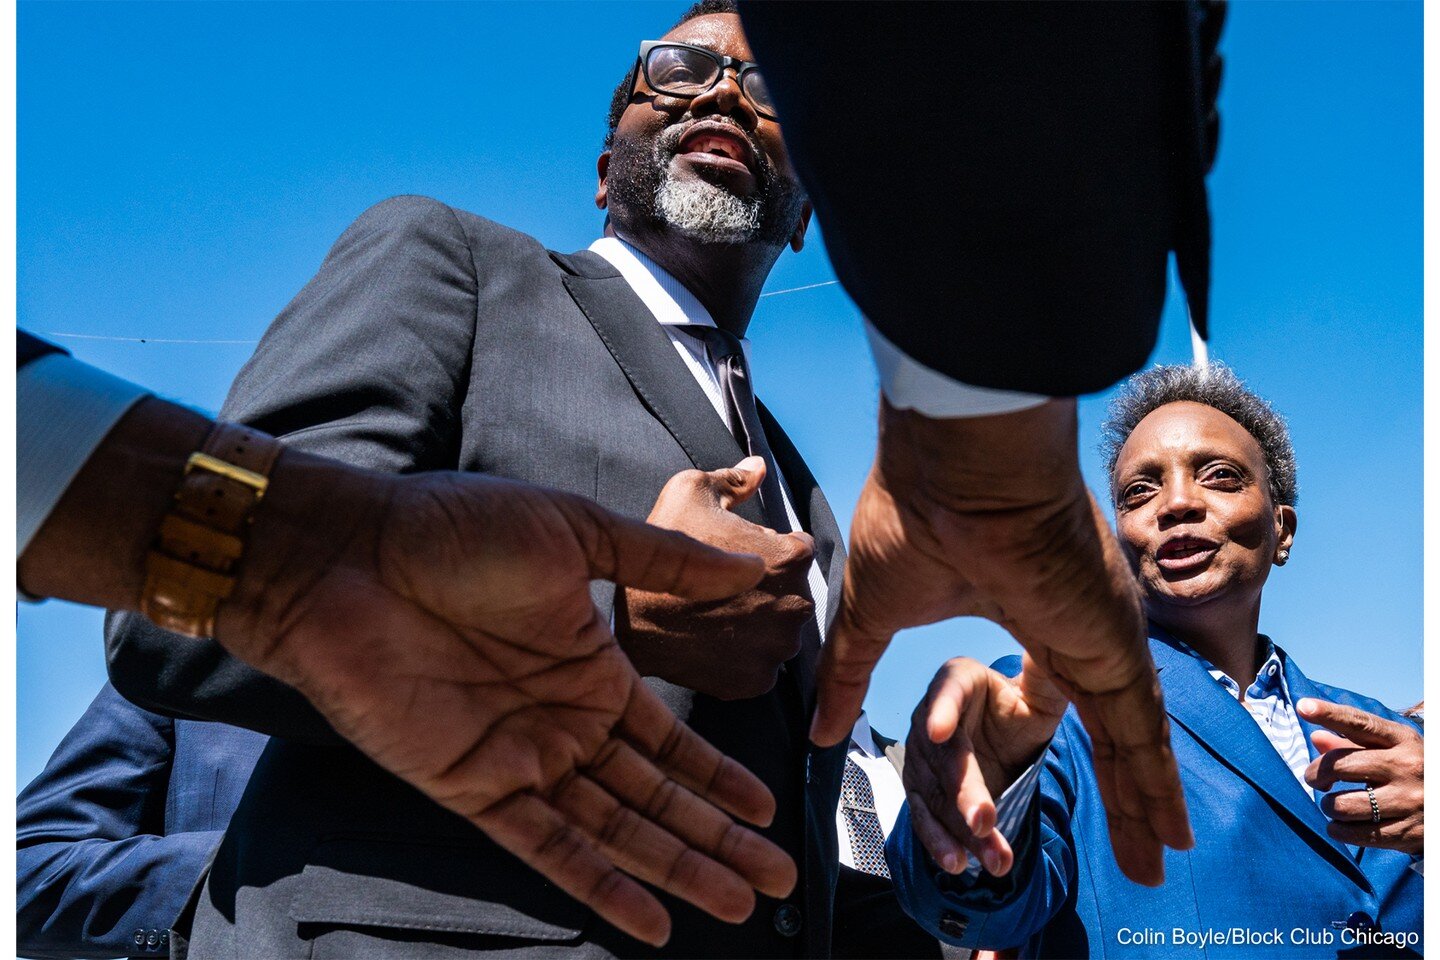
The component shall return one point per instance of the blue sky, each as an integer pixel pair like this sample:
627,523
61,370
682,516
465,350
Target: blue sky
182,169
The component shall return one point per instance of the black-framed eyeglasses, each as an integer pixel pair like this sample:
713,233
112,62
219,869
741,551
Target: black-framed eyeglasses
682,70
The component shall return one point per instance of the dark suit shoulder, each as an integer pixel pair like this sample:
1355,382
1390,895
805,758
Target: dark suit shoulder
415,216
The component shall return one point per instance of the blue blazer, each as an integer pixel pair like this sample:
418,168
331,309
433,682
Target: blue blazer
114,833
1262,862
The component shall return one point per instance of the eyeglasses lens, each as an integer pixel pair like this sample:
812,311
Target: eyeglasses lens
758,92
681,71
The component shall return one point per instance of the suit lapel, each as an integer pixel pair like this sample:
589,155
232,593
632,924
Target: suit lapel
818,521
1214,718
893,750
648,359
813,510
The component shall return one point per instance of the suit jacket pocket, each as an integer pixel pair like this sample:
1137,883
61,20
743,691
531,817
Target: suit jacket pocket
442,886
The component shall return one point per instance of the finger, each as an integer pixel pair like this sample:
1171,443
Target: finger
1325,741
949,690
685,757
734,485
842,678
1361,727
977,807
1387,834
1146,777
959,804
651,853
1038,689
635,554
1354,805
799,551
536,833
995,853
635,782
1353,765
1139,853
944,849
929,787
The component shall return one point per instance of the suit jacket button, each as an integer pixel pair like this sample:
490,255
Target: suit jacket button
1360,920
787,919
152,940
139,938
953,924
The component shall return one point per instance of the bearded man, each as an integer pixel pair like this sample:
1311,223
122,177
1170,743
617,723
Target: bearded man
432,338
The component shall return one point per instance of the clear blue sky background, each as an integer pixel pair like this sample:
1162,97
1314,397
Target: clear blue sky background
184,167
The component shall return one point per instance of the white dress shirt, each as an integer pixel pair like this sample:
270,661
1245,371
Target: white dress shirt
64,408
884,784
910,385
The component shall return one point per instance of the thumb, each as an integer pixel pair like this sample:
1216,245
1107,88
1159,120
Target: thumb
842,677
1038,690
734,485
632,553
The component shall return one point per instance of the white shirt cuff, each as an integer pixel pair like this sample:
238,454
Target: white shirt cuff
910,385
64,409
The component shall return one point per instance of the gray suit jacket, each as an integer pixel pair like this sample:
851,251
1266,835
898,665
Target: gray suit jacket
434,339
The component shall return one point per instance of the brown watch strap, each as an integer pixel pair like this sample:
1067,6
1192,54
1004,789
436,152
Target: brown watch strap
191,567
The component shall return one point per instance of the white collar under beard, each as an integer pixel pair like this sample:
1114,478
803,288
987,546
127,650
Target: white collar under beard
706,212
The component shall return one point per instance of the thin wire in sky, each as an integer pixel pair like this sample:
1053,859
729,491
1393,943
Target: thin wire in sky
96,336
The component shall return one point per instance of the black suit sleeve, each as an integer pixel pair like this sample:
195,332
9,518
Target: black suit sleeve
1000,185
30,348
369,364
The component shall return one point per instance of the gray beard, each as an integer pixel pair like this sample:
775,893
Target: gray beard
707,213
642,179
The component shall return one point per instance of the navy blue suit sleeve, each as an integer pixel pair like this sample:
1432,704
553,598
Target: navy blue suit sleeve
994,913
93,863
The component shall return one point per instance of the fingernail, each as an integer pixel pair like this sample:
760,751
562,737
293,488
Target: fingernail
952,863
992,861
1305,705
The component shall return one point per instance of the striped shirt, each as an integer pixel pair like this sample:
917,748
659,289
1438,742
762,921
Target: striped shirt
1268,702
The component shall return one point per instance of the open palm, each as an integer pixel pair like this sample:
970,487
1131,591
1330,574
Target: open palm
475,666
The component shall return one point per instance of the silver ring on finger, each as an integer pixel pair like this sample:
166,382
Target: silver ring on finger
1374,804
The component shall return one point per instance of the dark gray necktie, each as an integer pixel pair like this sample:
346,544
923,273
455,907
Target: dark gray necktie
867,839
729,357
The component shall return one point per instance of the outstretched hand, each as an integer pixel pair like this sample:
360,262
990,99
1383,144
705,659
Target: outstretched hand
970,738
443,623
988,516
1359,747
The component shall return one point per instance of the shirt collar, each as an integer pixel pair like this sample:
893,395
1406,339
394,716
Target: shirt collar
861,737
1269,679
665,296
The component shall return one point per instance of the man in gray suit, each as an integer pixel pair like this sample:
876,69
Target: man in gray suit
434,339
